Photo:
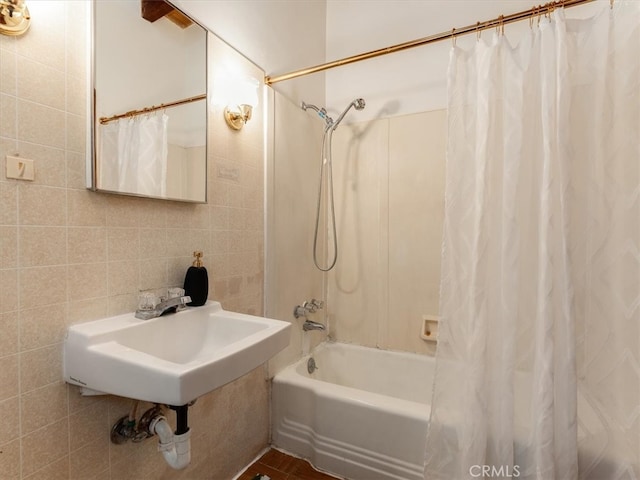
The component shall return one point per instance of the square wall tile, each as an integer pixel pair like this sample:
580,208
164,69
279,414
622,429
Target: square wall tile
123,278
44,447
86,244
86,208
87,425
40,286
87,280
41,246
40,124
43,406
41,84
40,367
40,205
123,244
42,326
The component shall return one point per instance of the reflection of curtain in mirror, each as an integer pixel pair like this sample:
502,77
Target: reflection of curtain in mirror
133,155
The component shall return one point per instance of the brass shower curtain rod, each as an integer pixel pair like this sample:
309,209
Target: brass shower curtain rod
142,111
476,28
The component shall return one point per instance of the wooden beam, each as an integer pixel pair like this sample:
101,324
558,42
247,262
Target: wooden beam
153,10
179,19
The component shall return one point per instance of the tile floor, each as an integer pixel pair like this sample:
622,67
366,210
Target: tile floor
279,466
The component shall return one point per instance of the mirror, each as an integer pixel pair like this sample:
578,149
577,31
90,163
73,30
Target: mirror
150,107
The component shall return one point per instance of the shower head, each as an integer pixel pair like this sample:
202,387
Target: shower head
322,113
304,107
358,103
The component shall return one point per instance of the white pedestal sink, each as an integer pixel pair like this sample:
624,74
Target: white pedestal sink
172,359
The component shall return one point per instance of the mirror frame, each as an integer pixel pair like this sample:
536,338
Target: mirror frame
93,121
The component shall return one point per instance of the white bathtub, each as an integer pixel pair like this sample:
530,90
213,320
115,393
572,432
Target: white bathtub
362,415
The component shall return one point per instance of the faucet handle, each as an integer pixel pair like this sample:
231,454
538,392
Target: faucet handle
147,300
300,310
317,304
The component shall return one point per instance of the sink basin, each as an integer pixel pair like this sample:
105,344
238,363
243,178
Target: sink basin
172,359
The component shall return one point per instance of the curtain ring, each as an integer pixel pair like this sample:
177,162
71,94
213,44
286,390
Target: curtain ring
550,8
453,36
539,14
532,13
500,25
478,32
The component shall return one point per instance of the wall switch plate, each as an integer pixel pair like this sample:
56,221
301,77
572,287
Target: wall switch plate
20,168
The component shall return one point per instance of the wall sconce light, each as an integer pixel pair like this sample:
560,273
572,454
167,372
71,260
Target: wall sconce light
242,97
14,17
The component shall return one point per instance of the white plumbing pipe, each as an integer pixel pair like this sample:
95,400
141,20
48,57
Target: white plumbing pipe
176,449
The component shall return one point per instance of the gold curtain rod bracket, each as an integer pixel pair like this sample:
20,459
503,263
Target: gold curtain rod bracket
499,23
142,111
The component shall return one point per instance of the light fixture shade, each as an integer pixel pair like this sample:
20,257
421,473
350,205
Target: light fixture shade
243,91
14,17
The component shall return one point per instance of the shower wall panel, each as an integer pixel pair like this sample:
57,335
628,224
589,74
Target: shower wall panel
389,188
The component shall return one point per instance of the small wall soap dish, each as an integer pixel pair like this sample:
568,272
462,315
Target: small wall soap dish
429,330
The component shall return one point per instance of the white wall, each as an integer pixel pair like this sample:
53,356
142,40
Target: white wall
277,35
413,80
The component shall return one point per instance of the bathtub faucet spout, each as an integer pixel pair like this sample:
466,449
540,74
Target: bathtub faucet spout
311,325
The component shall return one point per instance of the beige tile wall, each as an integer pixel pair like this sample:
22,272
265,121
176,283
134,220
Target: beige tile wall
69,255
389,191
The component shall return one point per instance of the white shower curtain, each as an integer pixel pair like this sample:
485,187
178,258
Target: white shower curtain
133,155
542,204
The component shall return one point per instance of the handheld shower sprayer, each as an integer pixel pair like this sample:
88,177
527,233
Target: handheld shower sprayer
327,190
358,103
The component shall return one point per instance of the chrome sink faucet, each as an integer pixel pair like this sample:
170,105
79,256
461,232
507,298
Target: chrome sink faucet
162,307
